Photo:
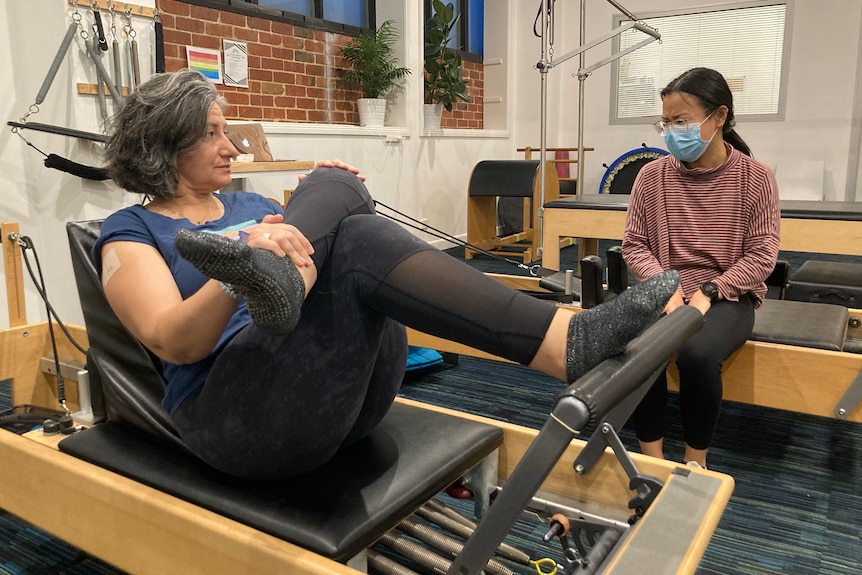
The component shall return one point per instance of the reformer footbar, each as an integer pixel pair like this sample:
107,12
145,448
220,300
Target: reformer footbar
584,403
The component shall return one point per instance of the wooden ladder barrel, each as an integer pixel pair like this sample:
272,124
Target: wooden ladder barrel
493,179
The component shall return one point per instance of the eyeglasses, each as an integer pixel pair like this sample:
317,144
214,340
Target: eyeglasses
678,126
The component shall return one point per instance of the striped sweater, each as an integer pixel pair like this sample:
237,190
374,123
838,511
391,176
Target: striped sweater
719,224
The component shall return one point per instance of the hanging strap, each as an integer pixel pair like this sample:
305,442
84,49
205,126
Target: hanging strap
76,169
159,42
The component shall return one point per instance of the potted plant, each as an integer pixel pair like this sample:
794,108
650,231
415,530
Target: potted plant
372,68
444,85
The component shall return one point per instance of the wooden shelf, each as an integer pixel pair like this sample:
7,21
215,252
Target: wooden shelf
84,88
119,7
276,166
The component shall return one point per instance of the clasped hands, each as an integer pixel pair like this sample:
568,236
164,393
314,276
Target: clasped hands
699,300
285,240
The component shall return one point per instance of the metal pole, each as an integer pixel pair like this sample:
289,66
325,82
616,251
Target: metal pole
543,121
581,91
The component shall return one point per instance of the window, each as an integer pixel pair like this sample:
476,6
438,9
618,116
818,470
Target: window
469,36
350,12
746,44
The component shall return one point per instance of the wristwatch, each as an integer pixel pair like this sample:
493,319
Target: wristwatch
710,290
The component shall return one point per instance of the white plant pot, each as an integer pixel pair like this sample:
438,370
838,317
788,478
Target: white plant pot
372,112
432,114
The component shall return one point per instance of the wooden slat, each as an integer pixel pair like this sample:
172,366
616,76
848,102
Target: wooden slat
799,379
14,275
90,89
276,166
22,347
134,527
119,7
589,225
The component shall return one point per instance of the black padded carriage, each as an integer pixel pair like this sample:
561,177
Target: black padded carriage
335,511
837,283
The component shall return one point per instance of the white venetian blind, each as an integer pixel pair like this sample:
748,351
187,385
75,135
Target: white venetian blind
744,44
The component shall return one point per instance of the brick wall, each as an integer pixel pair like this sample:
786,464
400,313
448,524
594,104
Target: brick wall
464,115
292,70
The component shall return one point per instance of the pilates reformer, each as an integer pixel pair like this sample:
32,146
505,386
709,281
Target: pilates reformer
122,490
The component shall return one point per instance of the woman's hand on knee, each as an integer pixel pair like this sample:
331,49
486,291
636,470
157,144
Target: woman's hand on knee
334,164
284,240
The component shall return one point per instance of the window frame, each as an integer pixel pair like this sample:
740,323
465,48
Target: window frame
779,115
251,8
462,38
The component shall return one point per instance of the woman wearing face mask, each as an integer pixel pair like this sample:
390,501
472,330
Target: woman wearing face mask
711,212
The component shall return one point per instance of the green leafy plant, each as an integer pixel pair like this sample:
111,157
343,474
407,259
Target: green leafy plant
444,83
372,67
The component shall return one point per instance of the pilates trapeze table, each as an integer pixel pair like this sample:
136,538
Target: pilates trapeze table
806,226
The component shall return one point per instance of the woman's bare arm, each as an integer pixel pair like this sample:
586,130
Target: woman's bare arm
142,292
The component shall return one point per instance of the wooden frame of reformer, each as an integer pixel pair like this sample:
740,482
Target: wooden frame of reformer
142,530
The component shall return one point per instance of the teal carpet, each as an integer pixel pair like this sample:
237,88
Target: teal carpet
796,509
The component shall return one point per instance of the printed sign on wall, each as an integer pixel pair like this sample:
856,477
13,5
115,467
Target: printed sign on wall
205,61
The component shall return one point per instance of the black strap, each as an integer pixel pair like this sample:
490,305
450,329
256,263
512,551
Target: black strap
76,169
160,48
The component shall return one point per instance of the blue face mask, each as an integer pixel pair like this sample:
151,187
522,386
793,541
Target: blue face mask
688,146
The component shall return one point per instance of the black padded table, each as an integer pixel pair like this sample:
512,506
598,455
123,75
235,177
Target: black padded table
335,511
817,227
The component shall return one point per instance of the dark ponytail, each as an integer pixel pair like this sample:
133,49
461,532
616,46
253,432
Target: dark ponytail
711,89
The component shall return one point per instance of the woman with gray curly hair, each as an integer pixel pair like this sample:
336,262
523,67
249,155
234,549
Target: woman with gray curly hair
145,154
280,331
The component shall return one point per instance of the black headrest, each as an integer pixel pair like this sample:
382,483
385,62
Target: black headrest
128,375
512,178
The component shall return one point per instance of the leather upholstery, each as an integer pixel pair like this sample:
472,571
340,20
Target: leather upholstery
804,324
827,282
503,178
122,369
335,511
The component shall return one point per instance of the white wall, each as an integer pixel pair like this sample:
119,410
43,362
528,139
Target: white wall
820,101
423,176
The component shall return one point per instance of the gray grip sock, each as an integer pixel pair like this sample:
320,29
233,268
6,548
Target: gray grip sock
603,331
272,286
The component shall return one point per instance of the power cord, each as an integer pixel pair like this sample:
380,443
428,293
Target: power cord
26,243
22,418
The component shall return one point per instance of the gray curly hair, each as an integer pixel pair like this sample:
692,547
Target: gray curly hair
162,120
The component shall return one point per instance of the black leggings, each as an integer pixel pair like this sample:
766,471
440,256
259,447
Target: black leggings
726,327
280,406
